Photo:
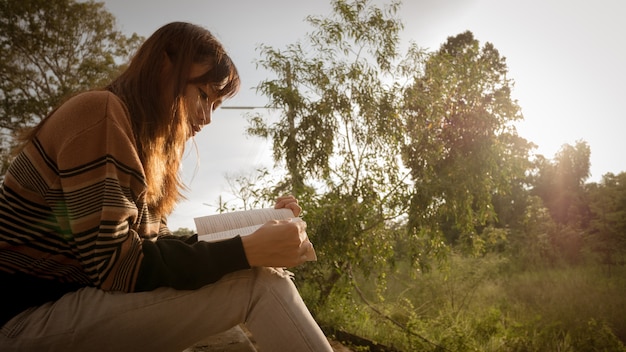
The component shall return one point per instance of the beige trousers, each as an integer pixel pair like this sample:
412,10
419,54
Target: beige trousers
163,320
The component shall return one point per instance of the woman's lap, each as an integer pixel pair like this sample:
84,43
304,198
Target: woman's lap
169,320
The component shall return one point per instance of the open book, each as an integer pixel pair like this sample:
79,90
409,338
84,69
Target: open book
217,227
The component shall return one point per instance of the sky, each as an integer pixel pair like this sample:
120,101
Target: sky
567,59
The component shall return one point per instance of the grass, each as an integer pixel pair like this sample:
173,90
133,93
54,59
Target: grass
574,298
487,304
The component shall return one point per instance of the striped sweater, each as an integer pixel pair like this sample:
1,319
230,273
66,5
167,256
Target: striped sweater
72,214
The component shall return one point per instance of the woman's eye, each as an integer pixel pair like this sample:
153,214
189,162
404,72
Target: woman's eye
203,95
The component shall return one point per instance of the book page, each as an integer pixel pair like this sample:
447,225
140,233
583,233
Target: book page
227,225
216,236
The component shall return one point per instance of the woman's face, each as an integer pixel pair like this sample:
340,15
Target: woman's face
201,99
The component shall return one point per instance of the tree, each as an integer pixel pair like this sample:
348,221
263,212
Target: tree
607,230
461,146
51,49
340,132
560,183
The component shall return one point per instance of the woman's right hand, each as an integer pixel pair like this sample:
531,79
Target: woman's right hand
279,243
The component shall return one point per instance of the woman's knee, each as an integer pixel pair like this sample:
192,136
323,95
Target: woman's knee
277,280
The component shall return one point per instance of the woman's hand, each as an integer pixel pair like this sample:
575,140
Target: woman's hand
280,243
289,202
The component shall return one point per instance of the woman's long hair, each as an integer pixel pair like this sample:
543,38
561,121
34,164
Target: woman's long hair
156,103
159,117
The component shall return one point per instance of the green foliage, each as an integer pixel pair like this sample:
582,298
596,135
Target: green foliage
339,115
183,231
529,242
566,308
560,183
461,146
253,190
607,228
51,49
484,304
340,132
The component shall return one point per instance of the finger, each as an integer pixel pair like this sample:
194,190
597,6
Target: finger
302,231
295,208
287,196
281,201
309,252
305,246
295,230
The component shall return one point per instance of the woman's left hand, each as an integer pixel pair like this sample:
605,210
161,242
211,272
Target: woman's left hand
289,202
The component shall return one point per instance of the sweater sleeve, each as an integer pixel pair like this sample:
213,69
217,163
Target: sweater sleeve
175,263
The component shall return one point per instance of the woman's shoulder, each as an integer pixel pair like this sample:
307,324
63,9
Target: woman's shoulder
85,110
95,101
87,126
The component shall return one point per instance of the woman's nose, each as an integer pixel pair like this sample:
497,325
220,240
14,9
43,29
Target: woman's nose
205,116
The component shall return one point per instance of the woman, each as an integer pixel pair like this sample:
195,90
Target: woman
86,259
